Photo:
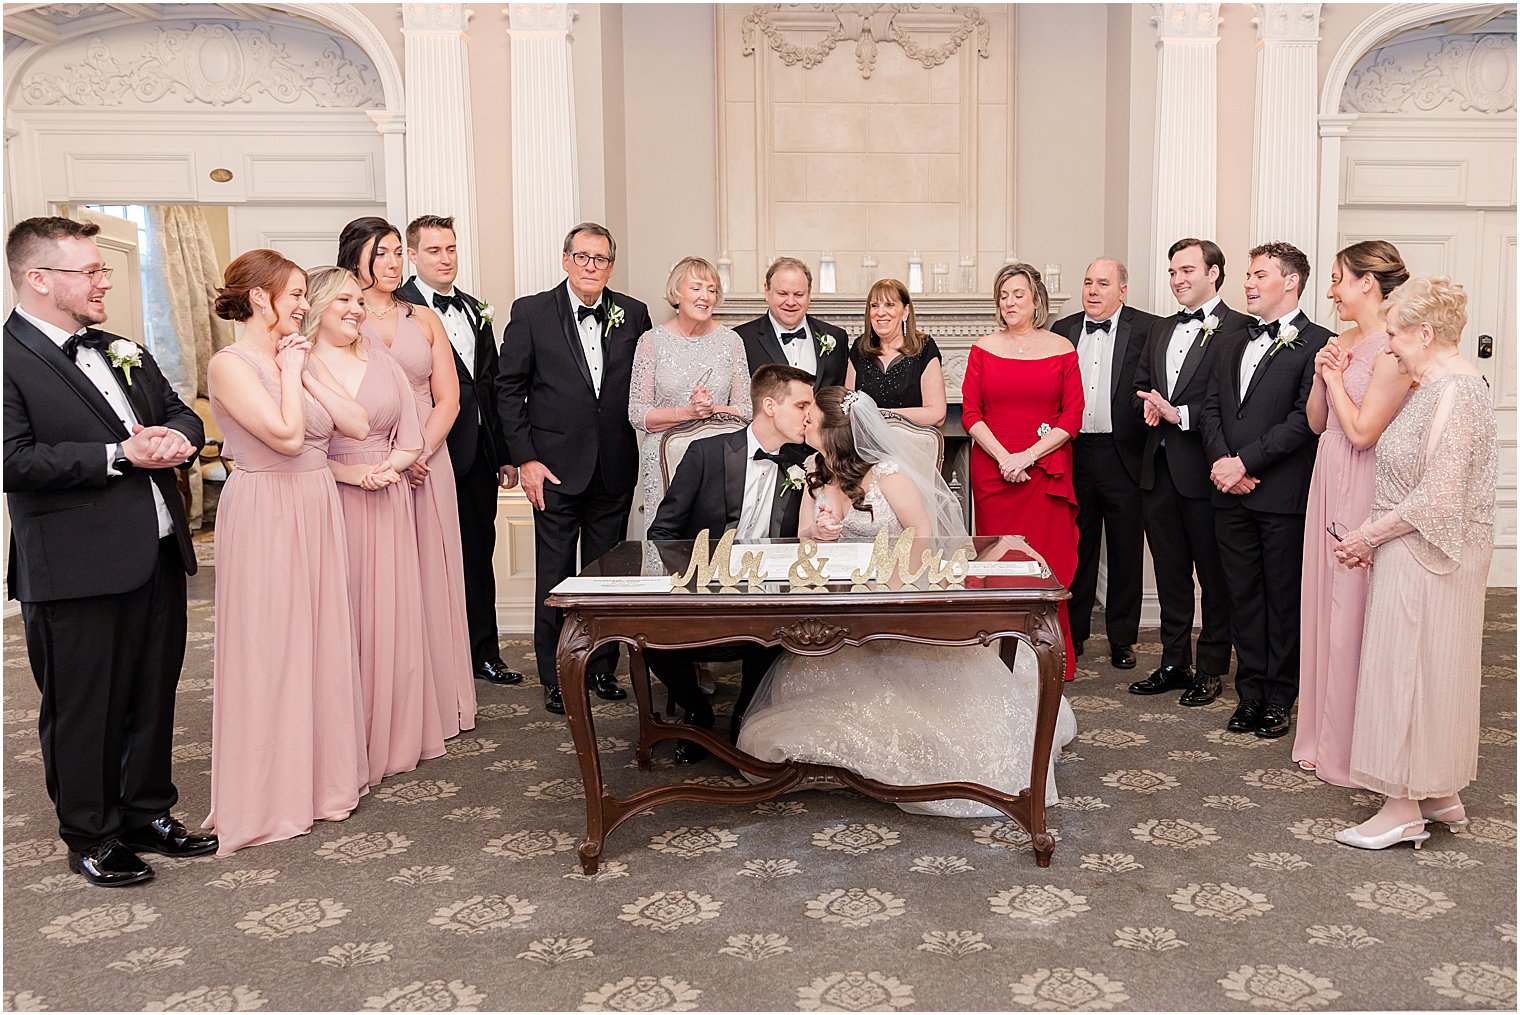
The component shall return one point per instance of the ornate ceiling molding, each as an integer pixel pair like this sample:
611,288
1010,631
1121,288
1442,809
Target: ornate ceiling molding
1470,73
928,34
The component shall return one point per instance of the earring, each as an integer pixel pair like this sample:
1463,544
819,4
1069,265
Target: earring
905,327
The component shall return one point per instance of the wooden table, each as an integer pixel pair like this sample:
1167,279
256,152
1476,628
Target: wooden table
1004,608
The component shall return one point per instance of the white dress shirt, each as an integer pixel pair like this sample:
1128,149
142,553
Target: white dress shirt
92,362
800,353
457,322
759,492
1183,337
591,338
1256,350
1095,352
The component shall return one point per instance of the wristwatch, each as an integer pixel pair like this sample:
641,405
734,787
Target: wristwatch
119,461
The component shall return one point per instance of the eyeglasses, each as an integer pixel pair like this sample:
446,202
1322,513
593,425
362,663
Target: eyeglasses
93,274
581,258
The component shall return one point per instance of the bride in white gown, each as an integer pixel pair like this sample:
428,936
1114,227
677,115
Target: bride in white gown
900,713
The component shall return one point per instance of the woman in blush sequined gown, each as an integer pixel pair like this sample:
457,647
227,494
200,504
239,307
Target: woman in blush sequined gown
287,716
900,713
385,577
686,369
1021,402
1357,391
414,335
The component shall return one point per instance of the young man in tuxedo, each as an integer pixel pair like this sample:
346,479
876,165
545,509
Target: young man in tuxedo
787,334
477,447
1172,381
735,481
1109,337
1257,438
100,547
562,392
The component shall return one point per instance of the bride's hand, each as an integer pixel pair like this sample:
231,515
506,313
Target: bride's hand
827,526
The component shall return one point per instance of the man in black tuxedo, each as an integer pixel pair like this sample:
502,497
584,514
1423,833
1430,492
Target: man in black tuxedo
100,548
1256,435
787,334
1109,338
477,448
736,481
1172,381
566,363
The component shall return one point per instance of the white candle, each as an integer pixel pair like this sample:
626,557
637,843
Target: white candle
826,282
915,273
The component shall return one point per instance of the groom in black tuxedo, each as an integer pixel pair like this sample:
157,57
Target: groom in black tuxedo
741,481
1256,433
789,334
477,448
566,364
100,548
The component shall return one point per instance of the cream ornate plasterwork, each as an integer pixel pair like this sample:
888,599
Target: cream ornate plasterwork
869,25
1466,72
214,64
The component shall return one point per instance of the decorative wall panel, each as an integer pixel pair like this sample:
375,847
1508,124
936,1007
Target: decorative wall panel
1435,76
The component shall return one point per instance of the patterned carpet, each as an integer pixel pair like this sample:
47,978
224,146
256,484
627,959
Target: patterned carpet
1196,870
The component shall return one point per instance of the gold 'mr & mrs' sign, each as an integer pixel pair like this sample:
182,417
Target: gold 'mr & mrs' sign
891,561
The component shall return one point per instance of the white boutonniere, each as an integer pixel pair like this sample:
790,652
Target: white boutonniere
126,354
1287,337
486,312
825,344
1210,325
794,478
614,318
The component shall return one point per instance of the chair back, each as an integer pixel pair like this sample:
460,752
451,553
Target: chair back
675,441
927,442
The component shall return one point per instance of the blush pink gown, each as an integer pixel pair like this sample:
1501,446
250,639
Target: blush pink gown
385,579
287,714
445,629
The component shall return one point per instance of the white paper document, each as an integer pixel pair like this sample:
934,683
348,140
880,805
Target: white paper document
620,584
838,560
1018,568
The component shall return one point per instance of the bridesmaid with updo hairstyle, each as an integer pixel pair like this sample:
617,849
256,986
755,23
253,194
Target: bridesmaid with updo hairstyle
287,727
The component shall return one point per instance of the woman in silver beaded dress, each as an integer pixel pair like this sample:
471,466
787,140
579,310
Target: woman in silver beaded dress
687,368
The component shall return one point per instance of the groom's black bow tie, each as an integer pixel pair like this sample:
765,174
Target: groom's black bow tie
90,339
441,303
581,313
1092,326
762,454
1183,316
792,336
1258,330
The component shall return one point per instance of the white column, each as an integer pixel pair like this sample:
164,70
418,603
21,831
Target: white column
1284,161
392,129
440,158
1332,129
1186,189
545,196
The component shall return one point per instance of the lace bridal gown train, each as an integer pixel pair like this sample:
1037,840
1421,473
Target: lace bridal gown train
905,714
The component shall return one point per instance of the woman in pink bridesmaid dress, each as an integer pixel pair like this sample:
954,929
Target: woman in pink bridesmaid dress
385,577
287,743
371,249
1357,392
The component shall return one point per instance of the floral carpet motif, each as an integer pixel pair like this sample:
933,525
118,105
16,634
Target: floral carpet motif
1195,869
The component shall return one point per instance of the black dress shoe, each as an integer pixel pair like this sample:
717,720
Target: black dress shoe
1273,722
689,752
606,687
109,864
494,671
1205,688
553,702
1247,716
1166,678
1123,657
1076,649
169,837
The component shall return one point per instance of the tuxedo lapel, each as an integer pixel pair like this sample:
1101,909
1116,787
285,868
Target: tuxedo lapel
1121,349
135,395
482,331
1266,361
771,342
734,466
572,334
43,348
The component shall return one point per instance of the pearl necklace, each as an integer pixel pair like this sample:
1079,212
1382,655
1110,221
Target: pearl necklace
381,315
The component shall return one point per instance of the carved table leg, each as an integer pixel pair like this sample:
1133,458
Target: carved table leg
638,675
1050,652
575,644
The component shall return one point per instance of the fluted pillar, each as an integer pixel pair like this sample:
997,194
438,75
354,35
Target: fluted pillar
1285,164
1186,187
392,129
545,196
440,154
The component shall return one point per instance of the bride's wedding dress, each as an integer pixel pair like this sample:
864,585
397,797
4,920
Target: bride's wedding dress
901,713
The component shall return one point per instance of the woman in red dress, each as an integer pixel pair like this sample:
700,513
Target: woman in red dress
1021,402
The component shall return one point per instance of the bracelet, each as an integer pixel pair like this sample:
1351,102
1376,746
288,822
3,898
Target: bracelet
1367,538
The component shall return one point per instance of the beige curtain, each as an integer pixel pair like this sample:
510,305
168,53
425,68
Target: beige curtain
188,277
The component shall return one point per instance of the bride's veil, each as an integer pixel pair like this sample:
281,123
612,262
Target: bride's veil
876,441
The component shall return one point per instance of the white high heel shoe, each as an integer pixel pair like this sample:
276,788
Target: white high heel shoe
1392,837
1452,824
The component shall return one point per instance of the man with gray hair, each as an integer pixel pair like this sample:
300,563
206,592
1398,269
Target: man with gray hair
787,334
1109,338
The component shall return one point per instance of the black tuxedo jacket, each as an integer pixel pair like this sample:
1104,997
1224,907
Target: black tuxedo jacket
707,491
549,411
75,531
1267,425
762,345
478,420
1185,457
1131,332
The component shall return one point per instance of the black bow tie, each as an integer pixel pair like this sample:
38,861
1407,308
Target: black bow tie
91,339
1092,326
762,454
441,303
1183,316
1258,330
792,336
581,313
